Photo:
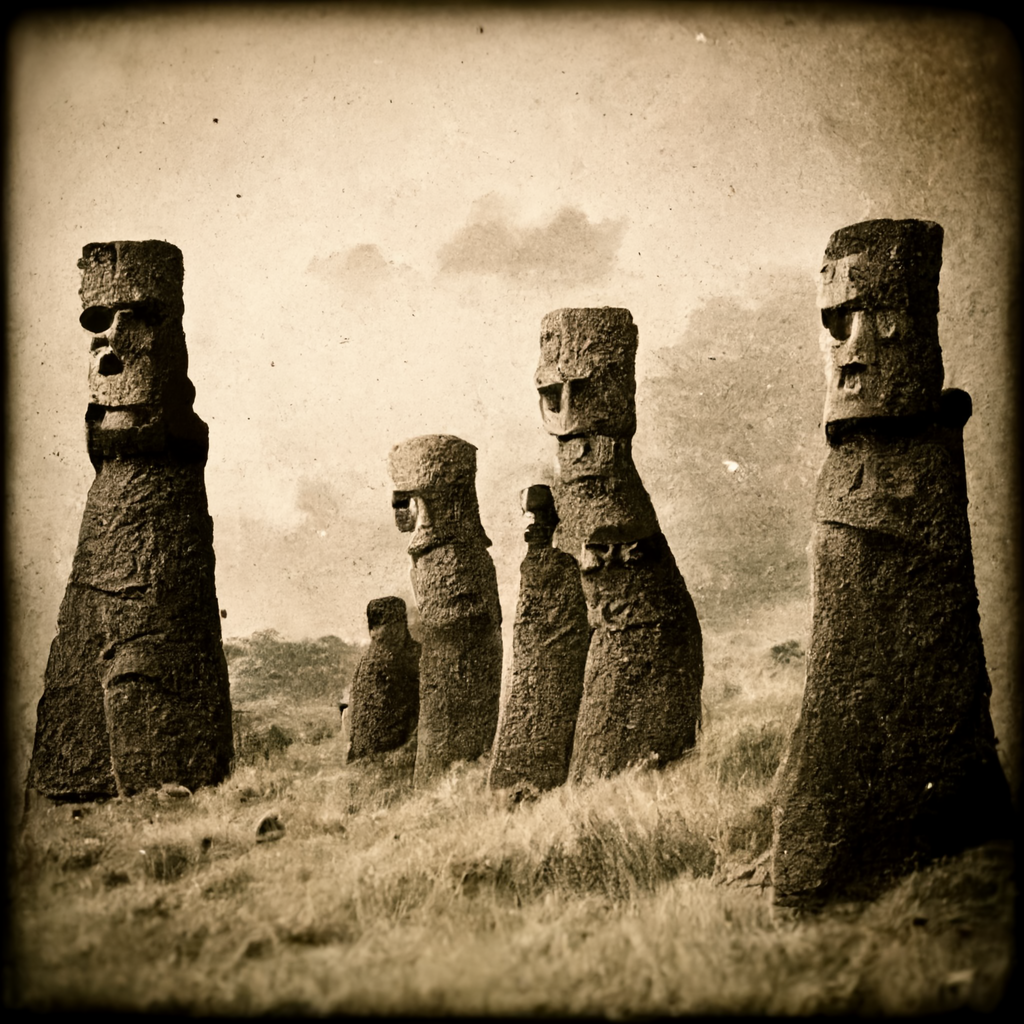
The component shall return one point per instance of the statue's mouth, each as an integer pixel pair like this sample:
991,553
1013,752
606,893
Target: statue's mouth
119,417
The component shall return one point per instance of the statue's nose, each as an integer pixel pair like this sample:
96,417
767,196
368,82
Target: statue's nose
110,364
559,405
570,408
859,347
104,323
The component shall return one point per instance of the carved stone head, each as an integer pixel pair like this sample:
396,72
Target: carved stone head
138,364
435,491
879,298
387,618
538,506
586,377
132,306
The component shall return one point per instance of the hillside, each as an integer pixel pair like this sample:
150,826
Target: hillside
638,895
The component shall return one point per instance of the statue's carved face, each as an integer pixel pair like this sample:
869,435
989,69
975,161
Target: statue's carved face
123,369
432,517
598,402
878,363
878,296
540,526
404,505
434,495
585,378
539,514
390,633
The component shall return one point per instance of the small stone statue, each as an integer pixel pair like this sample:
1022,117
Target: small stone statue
136,688
549,655
645,669
385,692
893,760
456,591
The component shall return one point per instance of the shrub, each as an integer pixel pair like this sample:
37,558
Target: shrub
788,652
267,665
317,732
253,745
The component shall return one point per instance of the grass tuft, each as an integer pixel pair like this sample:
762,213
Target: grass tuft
752,756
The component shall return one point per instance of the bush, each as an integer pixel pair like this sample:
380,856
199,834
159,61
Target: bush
266,665
255,745
788,652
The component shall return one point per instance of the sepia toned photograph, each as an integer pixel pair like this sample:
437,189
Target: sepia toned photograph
512,511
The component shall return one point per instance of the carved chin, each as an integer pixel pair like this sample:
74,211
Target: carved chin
853,396
538,534
580,458
122,419
425,540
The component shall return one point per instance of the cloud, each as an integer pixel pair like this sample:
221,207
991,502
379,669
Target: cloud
361,265
569,249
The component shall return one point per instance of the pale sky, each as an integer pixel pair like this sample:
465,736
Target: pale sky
377,209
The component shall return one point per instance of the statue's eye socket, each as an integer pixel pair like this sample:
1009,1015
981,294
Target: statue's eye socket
838,322
551,397
400,504
97,319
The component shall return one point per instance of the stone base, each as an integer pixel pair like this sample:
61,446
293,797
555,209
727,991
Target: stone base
460,688
136,688
549,655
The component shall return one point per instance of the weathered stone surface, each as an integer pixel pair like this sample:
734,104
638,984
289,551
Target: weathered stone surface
456,591
879,296
549,654
136,688
641,691
893,760
385,694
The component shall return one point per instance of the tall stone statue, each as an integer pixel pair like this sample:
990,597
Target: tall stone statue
549,655
136,688
893,760
385,695
456,591
645,668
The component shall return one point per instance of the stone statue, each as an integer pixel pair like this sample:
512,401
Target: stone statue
549,654
893,760
456,591
385,695
136,688
641,692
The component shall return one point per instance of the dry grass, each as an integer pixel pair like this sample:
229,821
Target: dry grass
610,899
